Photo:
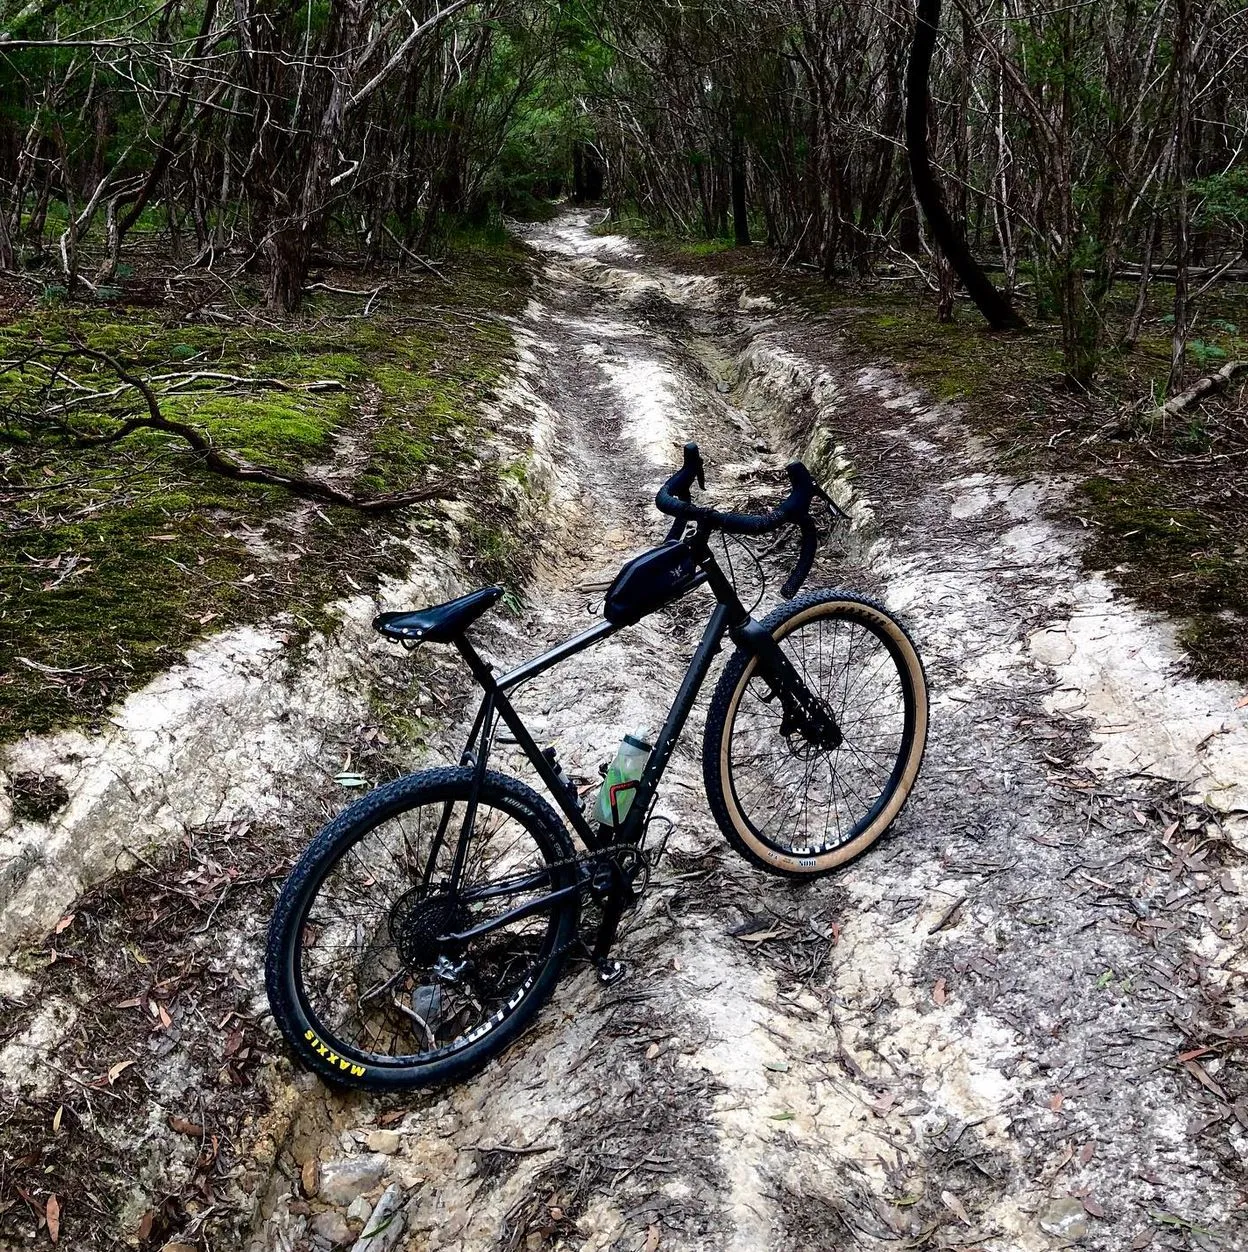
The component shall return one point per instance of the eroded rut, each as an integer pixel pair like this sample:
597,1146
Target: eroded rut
1013,1025
988,1032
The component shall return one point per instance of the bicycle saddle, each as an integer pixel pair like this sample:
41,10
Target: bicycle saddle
442,622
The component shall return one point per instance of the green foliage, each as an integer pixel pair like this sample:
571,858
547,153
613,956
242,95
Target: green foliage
1205,354
1223,198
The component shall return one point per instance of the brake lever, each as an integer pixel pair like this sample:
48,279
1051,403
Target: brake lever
804,481
693,460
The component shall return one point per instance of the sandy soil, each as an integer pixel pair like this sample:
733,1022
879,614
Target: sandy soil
1013,1026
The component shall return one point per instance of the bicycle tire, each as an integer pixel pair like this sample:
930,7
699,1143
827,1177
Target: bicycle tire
743,833
338,1060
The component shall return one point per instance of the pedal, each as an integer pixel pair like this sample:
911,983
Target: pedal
610,972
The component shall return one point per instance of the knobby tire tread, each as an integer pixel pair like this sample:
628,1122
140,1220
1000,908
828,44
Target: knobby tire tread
352,824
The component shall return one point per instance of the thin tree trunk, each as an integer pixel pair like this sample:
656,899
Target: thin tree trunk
740,214
1182,220
998,312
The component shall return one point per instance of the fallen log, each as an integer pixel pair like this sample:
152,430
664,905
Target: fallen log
1201,388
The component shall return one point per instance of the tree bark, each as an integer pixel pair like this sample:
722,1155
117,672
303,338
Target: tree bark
997,311
740,214
1182,219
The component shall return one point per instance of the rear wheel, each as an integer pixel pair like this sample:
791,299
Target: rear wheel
362,978
801,808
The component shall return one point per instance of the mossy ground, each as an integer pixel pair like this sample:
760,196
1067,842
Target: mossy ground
1166,502
114,559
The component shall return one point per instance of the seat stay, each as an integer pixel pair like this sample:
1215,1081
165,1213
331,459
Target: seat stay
485,719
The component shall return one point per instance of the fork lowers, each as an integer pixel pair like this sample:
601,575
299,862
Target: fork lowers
806,715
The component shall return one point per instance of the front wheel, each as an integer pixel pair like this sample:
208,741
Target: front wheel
373,975
800,808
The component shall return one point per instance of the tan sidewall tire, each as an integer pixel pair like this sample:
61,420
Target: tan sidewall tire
741,833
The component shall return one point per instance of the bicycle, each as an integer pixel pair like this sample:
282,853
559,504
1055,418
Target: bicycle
424,927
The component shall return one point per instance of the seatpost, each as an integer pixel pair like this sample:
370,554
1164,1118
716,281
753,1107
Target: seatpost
481,669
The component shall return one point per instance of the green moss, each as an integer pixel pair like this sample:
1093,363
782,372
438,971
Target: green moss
1191,561
707,247
1131,511
283,429
129,553
110,597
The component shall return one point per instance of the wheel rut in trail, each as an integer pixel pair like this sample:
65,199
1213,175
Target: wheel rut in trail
1012,1026
645,1099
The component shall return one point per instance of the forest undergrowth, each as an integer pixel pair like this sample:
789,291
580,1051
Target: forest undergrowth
1164,495
115,557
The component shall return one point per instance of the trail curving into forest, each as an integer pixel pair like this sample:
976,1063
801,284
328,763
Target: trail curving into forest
1010,1026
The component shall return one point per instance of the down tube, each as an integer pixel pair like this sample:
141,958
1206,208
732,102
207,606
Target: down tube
695,676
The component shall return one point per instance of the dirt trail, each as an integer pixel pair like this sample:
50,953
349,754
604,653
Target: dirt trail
1012,1026
971,1038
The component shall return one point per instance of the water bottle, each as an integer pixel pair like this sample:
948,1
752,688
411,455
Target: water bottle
628,766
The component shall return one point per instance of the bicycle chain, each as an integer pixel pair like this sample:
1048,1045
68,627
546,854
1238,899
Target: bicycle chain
588,859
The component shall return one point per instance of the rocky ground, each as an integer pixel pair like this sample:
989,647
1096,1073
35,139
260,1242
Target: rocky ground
1017,1024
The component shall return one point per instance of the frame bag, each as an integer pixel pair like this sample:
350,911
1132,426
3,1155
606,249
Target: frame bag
648,582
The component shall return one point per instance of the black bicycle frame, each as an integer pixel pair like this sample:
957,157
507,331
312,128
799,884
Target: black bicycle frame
729,617
495,701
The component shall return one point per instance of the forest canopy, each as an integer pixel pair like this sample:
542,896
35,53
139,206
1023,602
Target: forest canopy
1077,146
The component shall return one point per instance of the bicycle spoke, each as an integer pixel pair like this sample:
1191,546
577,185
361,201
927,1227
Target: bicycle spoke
373,967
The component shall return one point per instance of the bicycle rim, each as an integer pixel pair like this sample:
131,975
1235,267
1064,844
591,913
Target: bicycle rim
812,807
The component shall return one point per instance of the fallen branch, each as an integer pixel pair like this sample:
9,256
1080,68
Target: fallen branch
181,381
230,466
1201,388
420,260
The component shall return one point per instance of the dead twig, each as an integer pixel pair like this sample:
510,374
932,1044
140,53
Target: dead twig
948,917
415,256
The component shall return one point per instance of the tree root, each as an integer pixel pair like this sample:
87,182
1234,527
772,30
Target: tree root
230,466
1202,388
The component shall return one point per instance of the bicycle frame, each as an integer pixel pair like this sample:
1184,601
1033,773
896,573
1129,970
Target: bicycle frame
729,617
495,701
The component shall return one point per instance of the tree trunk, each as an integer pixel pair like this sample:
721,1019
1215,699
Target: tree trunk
7,258
287,251
740,216
998,312
1182,219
